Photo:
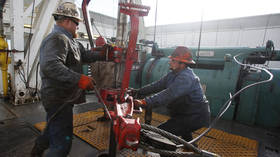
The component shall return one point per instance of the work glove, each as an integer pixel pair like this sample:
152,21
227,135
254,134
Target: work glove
86,82
133,92
140,103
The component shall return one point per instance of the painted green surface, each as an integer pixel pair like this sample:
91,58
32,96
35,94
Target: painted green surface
85,69
219,77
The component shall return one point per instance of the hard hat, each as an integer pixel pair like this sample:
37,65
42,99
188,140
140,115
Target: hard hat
182,54
68,9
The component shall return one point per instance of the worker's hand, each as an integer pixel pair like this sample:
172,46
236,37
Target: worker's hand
86,82
139,103
133,92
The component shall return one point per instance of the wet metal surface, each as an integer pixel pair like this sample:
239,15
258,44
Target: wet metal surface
16,138
5,113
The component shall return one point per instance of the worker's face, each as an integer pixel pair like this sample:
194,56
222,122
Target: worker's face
174,65
73,26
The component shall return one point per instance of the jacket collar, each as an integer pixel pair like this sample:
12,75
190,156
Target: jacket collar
62,30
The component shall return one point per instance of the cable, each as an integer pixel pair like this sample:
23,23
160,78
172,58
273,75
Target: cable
96,28
166,152
22,76
228,102
102,26
199,40
170,136
155,22
36,81
29,40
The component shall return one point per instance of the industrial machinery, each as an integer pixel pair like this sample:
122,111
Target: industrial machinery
126,131
221,75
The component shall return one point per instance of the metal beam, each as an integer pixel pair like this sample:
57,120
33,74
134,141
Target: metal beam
28,11
17,41
42,28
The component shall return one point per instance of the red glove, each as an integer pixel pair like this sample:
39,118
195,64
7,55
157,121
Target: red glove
139,103
86,82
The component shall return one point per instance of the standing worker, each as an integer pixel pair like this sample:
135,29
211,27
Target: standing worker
63,85
181,91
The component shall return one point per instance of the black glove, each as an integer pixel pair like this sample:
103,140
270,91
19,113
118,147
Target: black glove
133,92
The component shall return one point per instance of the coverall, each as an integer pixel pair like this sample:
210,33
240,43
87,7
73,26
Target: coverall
187,106
61,59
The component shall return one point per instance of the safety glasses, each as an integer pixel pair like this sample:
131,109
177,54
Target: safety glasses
76,22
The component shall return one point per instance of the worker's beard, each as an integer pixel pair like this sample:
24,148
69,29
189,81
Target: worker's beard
75,35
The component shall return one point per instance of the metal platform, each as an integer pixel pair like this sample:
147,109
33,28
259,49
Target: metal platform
96,133
19,145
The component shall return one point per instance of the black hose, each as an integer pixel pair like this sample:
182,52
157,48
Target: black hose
189,144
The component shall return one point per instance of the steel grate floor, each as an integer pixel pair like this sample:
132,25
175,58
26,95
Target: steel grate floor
96,133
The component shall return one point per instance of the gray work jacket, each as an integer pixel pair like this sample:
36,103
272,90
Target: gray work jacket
61,59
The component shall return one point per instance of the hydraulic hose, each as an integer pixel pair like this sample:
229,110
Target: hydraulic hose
228,102
189,144
171,136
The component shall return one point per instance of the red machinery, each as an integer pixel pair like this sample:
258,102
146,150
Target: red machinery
125,130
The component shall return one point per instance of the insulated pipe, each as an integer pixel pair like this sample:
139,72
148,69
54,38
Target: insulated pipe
4,62
4,59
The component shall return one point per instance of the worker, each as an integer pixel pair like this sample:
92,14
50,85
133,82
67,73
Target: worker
63,85
180,90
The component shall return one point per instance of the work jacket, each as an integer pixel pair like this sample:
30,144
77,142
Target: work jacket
61,59
182,93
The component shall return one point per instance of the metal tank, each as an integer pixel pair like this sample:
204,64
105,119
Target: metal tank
220,75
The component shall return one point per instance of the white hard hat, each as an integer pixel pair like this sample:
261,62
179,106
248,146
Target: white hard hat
68,9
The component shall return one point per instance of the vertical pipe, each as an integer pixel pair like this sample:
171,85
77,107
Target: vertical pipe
4,60
4,65
2,4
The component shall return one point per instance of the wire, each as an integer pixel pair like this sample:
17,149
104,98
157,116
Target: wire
96,28
102,26
228,102
29,40
36,81
266,27
155,21
22,76
199,40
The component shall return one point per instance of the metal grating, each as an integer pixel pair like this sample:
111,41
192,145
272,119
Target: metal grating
226,144
96,133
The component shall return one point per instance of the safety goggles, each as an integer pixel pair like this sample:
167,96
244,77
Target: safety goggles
76,22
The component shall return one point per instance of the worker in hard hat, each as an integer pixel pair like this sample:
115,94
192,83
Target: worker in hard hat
181,91
63,84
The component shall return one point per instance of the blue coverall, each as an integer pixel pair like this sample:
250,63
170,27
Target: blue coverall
187,106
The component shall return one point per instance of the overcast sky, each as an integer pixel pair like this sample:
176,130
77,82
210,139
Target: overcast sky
180,11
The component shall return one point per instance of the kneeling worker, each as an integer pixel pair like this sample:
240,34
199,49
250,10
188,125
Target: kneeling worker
181,91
